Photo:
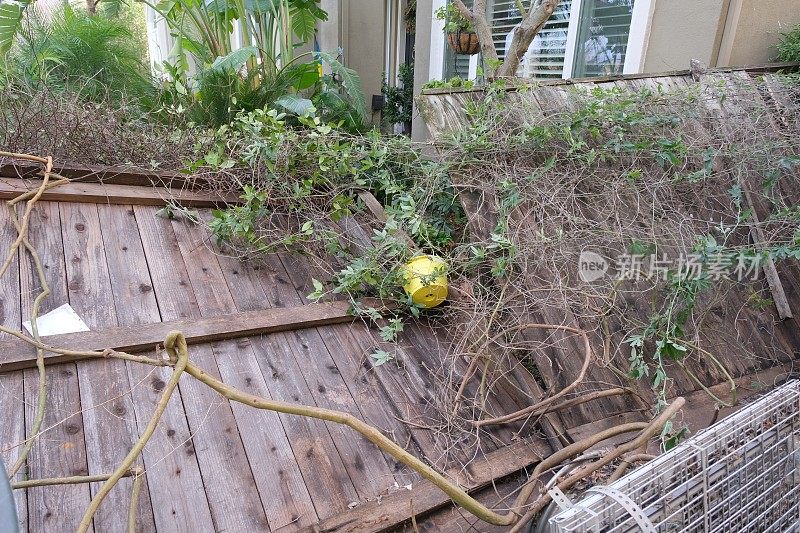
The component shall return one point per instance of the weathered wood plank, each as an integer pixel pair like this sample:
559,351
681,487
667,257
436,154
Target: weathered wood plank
16,354
108,415
407,385
173,475
60,451
97,173
425,497
12,430
454,519
700,407
269,454
324,473
220,452
101,193
370,470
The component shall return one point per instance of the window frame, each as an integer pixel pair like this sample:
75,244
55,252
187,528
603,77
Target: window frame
638,37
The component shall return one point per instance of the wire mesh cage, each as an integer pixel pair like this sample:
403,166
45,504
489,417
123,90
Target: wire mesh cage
741,474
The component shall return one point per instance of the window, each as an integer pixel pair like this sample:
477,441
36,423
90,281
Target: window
545,57
583,38
602,38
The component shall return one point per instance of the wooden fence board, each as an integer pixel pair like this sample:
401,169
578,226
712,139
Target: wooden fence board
117,175
425,497
215,436
16,354
12,430
108,412
323,469
171,468
103,193
60,451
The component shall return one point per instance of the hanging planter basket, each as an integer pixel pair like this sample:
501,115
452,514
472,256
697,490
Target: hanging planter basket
464,42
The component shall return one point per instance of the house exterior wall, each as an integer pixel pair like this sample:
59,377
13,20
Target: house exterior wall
666,35
422,63
718,32
758,29
364,40
683,30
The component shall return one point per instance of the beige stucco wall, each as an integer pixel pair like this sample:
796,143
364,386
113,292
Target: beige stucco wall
717,32
758,29
683,30
422,61
359,27
363,40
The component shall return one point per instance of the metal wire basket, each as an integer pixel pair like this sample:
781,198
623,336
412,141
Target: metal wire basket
740,474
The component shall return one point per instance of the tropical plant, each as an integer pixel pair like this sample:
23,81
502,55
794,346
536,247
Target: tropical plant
90,54
11,15
264,72
270,30
399,100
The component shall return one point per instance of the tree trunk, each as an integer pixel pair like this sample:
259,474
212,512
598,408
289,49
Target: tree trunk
91,7
527,30
539,12
482,28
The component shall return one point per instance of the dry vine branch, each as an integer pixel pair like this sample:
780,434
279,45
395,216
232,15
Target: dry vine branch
175,344
22,238
641,440
626,463
70,480
542,406
135,491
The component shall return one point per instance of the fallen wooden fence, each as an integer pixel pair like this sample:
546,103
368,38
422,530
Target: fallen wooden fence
17,354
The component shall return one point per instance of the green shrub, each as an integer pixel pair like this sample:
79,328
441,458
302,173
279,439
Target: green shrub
89,54
789,47
454,20
399,100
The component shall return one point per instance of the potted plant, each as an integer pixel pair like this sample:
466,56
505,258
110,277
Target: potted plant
460,32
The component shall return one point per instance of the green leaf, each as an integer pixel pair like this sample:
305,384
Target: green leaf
180,88
235,60
296,104
300,75
112,8
220,6
166,212
350,81
381,357
319,290
339,108
11,12
260,6
304,23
